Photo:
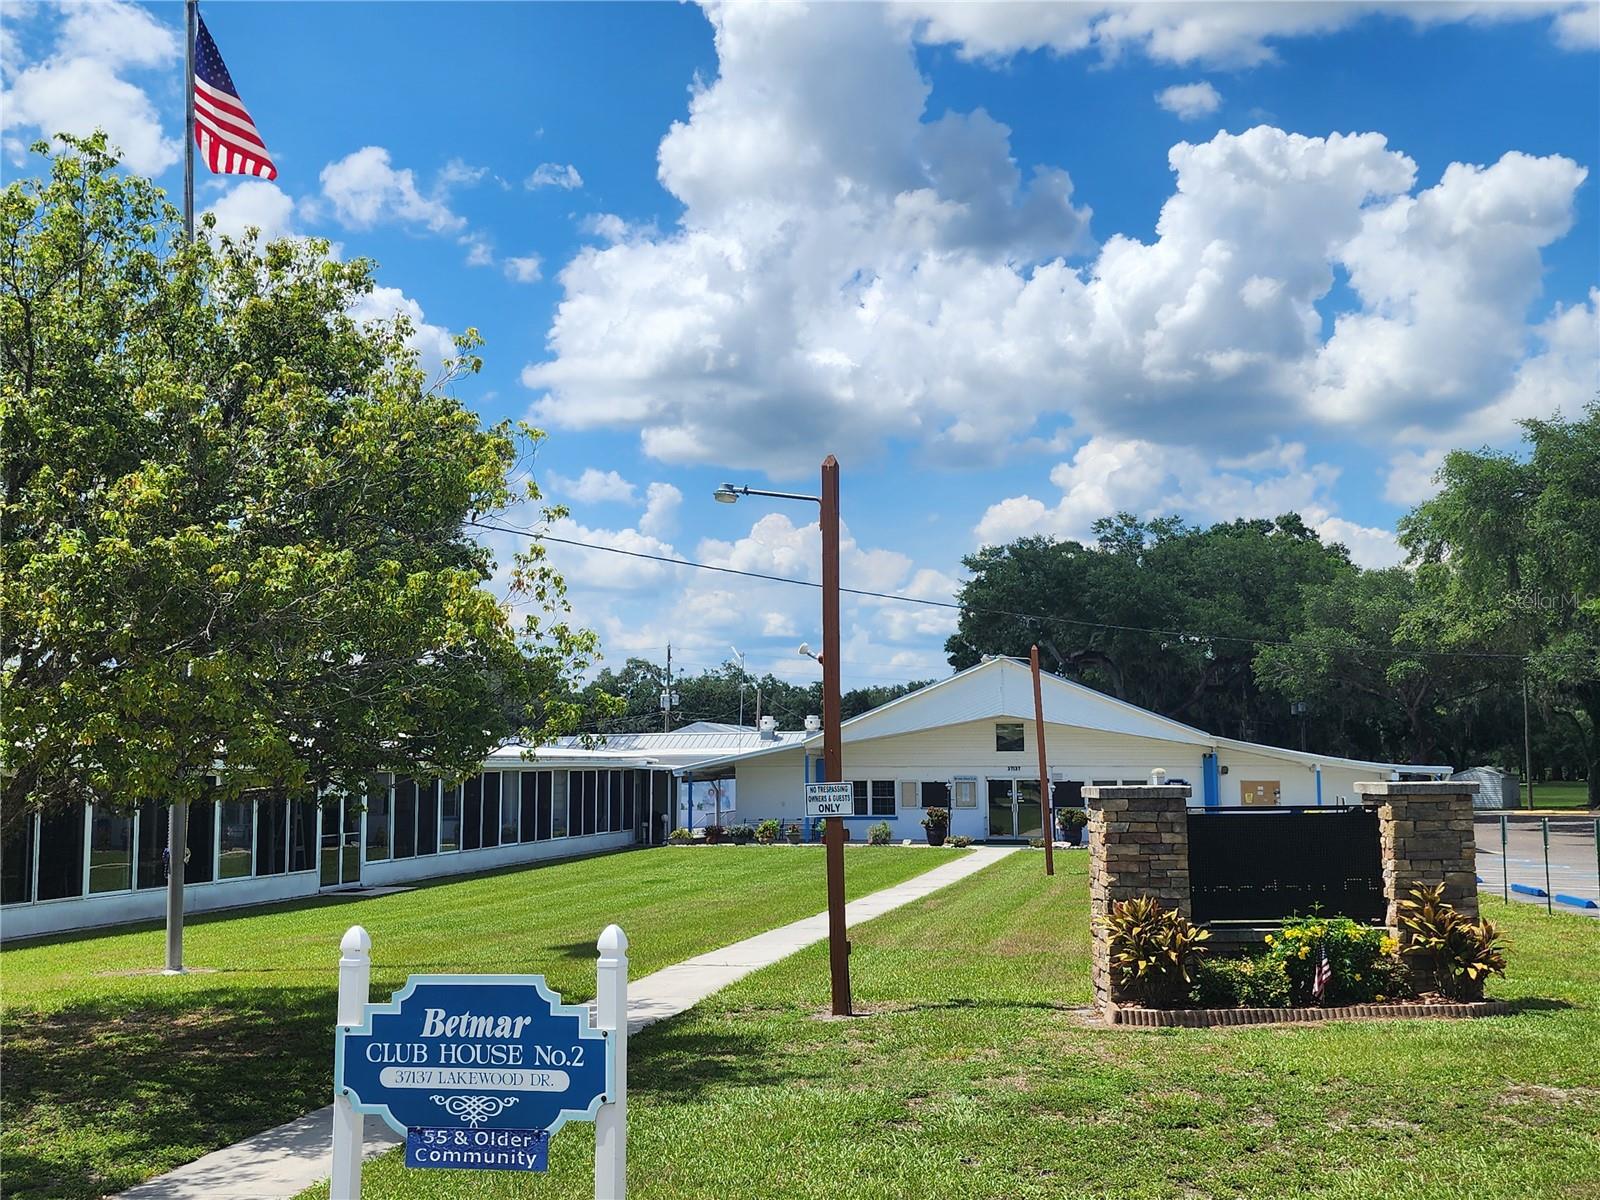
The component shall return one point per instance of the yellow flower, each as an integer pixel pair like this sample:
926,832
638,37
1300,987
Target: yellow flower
1304,950
1271,941
1358,974
1389,945
1380,997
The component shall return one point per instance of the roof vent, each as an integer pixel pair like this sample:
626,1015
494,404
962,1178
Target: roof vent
813,723
769,729
1158,776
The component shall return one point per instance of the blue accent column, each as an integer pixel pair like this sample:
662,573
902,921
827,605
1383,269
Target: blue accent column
1210,781
1318,770
689,823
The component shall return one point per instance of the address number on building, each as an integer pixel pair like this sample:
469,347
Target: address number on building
830,800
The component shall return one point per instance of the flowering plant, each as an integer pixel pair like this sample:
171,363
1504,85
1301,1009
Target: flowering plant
1361,957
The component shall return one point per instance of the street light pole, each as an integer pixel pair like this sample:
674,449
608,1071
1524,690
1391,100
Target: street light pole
832,741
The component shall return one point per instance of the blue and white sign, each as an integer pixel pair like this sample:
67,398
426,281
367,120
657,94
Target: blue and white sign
479,1149
497,1059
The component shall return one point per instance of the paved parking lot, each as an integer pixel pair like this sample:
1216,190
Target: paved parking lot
1572,869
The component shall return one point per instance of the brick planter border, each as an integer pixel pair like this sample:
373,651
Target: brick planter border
1205,1018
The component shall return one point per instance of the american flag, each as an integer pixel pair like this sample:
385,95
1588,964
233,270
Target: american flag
1323,977
227,137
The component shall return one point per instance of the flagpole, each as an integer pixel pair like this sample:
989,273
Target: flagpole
178,815
192,18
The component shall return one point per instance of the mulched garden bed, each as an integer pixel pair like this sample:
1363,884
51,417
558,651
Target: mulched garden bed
1204,1018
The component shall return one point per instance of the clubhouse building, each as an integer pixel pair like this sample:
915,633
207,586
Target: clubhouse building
966,743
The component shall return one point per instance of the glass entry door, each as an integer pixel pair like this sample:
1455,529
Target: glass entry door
341,841
1015,808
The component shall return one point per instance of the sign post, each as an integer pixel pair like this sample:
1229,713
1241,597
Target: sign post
477,1072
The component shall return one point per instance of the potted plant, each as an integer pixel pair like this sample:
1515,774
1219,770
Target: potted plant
1069,825
937,822
792,833
714,834
767,831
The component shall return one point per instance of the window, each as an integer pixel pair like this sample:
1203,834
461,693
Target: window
450,819
61,852
151,864
428,816
272,816
16,865
859,793
1134,782
535,806
1066,793
491,808
561,782
238,830
110,850
908,794
378,810
510,810
965,794
201,838
614,801
883,797
591,801
530,802
1105,783
472,813
405,818
302,835
935,793
1008,737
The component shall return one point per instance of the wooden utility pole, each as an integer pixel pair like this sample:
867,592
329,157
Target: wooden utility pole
1044,768
832,744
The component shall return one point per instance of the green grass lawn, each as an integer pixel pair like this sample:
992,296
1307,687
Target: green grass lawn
1559,795
113,1074
976,1074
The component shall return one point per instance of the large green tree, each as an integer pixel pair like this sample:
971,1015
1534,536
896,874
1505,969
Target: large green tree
1210,592
235,522
1517,540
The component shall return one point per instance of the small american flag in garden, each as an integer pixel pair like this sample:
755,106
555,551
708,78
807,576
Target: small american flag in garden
227,137
1323,977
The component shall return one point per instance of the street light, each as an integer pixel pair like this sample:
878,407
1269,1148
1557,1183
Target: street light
832,745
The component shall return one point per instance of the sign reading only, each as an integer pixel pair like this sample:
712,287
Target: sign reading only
830,800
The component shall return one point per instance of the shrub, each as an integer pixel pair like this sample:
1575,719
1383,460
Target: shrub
961,841
1036,843
767,831
1258,982
1361,958
792,833
680,837
1449,951
879,834
741,835
936,818
714,834
1071,818
1153,952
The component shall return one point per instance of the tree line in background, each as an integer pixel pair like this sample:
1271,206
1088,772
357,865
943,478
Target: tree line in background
1260,630
1267,633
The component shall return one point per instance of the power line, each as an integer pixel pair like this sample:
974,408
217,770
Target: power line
539,535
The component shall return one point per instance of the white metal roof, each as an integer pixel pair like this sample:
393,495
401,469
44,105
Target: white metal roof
679,748
1003,687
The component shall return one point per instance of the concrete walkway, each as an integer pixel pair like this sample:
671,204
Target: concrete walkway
285,1161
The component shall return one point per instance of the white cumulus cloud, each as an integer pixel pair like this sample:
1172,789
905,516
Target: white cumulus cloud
526,269
1190,101
366,189
557,175
593,487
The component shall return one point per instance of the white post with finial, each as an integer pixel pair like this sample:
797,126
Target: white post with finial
611,1012
355,986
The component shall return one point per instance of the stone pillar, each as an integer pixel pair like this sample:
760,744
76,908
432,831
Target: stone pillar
1138,846
1425,838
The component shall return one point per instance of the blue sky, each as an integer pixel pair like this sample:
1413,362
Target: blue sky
1019,266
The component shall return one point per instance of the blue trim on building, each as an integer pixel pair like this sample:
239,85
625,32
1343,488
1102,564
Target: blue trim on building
1210,781
1318,770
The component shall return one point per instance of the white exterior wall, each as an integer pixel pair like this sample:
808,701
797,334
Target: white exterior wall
388,872
150,904
773,785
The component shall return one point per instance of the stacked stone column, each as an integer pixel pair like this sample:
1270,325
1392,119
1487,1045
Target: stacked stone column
1426,838
1138,846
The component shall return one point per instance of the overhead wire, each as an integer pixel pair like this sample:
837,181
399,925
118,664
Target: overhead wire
1032,618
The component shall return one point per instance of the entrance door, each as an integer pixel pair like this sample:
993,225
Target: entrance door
1015,808
341,841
